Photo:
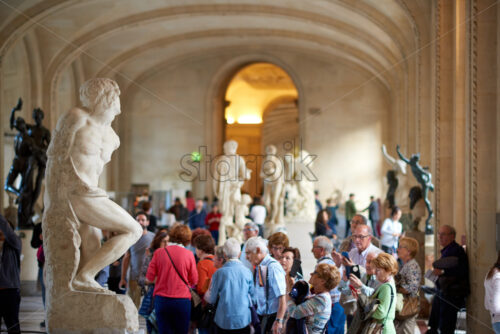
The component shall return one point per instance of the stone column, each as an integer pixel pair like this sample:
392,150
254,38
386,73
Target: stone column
466,113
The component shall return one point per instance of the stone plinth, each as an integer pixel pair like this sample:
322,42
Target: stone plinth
90,313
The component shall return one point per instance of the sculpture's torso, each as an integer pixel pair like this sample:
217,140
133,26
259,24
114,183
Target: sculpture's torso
92,149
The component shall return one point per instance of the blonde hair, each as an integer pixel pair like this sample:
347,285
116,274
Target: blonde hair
410,244
386,262
329,273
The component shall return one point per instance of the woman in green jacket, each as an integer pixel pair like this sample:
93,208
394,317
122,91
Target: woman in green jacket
385,268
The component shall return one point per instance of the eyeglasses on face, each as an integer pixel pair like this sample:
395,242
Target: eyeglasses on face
358,236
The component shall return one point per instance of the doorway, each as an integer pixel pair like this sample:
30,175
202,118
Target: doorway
261,109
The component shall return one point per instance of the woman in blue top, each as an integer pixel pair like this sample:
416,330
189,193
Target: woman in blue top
231,288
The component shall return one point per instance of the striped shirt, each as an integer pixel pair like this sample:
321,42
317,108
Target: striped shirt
316,310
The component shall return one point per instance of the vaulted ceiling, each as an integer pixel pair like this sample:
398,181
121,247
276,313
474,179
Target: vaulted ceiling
135,38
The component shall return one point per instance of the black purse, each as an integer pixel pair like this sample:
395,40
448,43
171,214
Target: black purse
208,315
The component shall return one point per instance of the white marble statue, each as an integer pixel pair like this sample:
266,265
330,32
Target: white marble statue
273,174
399,168
300,204
76,210
229,172
240,212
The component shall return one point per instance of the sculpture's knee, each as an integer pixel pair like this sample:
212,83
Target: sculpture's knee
135,232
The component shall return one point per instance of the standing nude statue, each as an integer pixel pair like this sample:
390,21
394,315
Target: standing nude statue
229,172
424,178
75,207
274,185
30,145
395,179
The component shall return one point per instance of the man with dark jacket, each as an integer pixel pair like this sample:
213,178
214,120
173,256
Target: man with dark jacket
10,267
453,283
197,216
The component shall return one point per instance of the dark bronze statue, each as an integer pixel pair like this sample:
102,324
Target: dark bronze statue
30,145
425,179
392,182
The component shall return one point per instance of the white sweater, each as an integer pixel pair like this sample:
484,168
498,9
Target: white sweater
492,296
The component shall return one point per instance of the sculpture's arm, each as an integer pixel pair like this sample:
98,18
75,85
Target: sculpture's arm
389,159
401,156
244,172
66,129
13,112
215,179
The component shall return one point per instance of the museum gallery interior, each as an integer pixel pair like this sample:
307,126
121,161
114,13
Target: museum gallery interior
335,80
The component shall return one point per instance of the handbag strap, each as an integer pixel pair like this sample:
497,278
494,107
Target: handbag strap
173,264
390,304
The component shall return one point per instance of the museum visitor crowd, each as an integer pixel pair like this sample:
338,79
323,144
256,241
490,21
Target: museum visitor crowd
181,282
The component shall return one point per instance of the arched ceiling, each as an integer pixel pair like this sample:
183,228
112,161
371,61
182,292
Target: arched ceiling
132,37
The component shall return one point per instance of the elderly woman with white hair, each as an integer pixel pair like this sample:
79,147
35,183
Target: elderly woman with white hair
231,289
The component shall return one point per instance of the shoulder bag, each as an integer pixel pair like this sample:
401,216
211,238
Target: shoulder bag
375,327
195,298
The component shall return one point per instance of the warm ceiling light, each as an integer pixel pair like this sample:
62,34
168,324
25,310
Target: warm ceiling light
249,119
230,120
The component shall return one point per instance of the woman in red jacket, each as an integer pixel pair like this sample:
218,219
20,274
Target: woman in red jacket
173,268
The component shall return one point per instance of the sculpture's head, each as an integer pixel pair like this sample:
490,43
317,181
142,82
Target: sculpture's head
230,147
271,150
415,157
20,124
38,116
101,97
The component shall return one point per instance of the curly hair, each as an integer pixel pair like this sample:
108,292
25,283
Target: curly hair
278,238
204,243
180,234
197,232
98,91
386,262
329,273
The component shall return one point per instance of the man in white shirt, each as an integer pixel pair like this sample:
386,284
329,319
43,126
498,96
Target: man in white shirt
258,214
362,238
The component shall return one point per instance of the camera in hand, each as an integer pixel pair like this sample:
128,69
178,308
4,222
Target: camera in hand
353,270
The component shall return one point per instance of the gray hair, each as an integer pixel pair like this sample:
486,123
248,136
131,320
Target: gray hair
219,252
451,230
231,248
256,242
98,91
325,243
252,226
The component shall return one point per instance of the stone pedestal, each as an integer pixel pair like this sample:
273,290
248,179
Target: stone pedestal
90,313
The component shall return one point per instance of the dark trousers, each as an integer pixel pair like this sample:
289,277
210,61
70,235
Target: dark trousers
444,314
9,309
215,235
347,228
113,283
245,330
266,322
172,314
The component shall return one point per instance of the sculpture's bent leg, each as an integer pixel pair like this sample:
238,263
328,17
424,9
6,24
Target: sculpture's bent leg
429,229
101,212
